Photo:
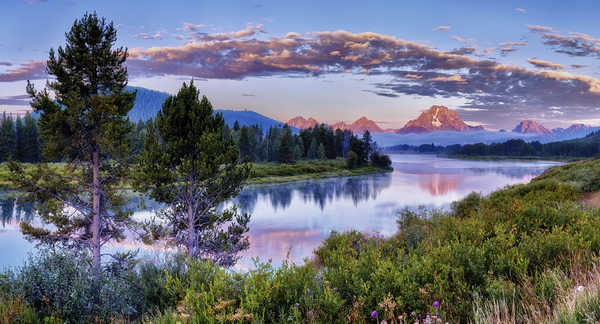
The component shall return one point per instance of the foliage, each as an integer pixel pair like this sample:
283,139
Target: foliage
189,164
84,123
352,160
381,160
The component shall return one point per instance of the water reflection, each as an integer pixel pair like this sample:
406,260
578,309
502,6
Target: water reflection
317,192
290,220
12,212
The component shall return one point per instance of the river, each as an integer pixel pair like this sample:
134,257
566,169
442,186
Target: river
289,220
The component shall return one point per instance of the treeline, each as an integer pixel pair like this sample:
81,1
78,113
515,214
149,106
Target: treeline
588,146
279,144
19,139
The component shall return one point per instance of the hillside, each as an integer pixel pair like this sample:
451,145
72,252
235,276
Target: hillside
148,103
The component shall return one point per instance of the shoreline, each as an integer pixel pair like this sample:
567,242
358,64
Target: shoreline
274,179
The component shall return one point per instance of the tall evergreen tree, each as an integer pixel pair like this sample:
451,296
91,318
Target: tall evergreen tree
191,166
32,145
286,149
85,124
368,140
321,153
7,138
273,140
313,149
244,144
20,153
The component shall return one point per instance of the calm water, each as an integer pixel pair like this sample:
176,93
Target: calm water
290,220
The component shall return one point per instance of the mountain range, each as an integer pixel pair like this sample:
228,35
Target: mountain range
359,126
438,125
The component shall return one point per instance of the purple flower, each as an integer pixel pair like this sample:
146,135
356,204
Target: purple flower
436,304
374,314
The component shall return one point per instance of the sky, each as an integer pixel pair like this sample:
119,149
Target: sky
494,62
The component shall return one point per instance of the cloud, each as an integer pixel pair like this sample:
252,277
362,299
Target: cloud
540,29
248,95
442,28
29,71
249,31
5,64
465,50
521,10
506,50
452,78
34,1
500,90
572,44
18,100
158,35
463,40
509,47
545,64
191,27
513,44
577,66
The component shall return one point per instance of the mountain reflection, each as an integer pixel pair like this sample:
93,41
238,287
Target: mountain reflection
439,184
318,192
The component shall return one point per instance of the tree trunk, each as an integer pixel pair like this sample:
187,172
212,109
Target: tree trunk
96,217
192,244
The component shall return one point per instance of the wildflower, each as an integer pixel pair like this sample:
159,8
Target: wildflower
580,288
436,304
374,314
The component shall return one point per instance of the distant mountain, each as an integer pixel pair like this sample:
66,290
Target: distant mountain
248,118
437,118
531,127
575,130
302,123
148,103
359,126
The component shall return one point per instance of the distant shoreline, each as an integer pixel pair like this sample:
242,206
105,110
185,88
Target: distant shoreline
494,157
265,173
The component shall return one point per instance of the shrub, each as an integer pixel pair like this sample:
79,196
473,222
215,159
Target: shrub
381,160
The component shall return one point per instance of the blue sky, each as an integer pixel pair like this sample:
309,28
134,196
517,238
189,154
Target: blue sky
494,62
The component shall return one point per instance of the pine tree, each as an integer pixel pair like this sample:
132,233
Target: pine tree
191,166
7,138
20,149
32,146
368,140
322,155
244,144
298,150
313,149
286,153
85,124
274,138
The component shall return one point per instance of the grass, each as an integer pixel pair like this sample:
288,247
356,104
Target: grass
263,172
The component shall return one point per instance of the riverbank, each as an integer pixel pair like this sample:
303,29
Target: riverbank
305,170
264,172
513,158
